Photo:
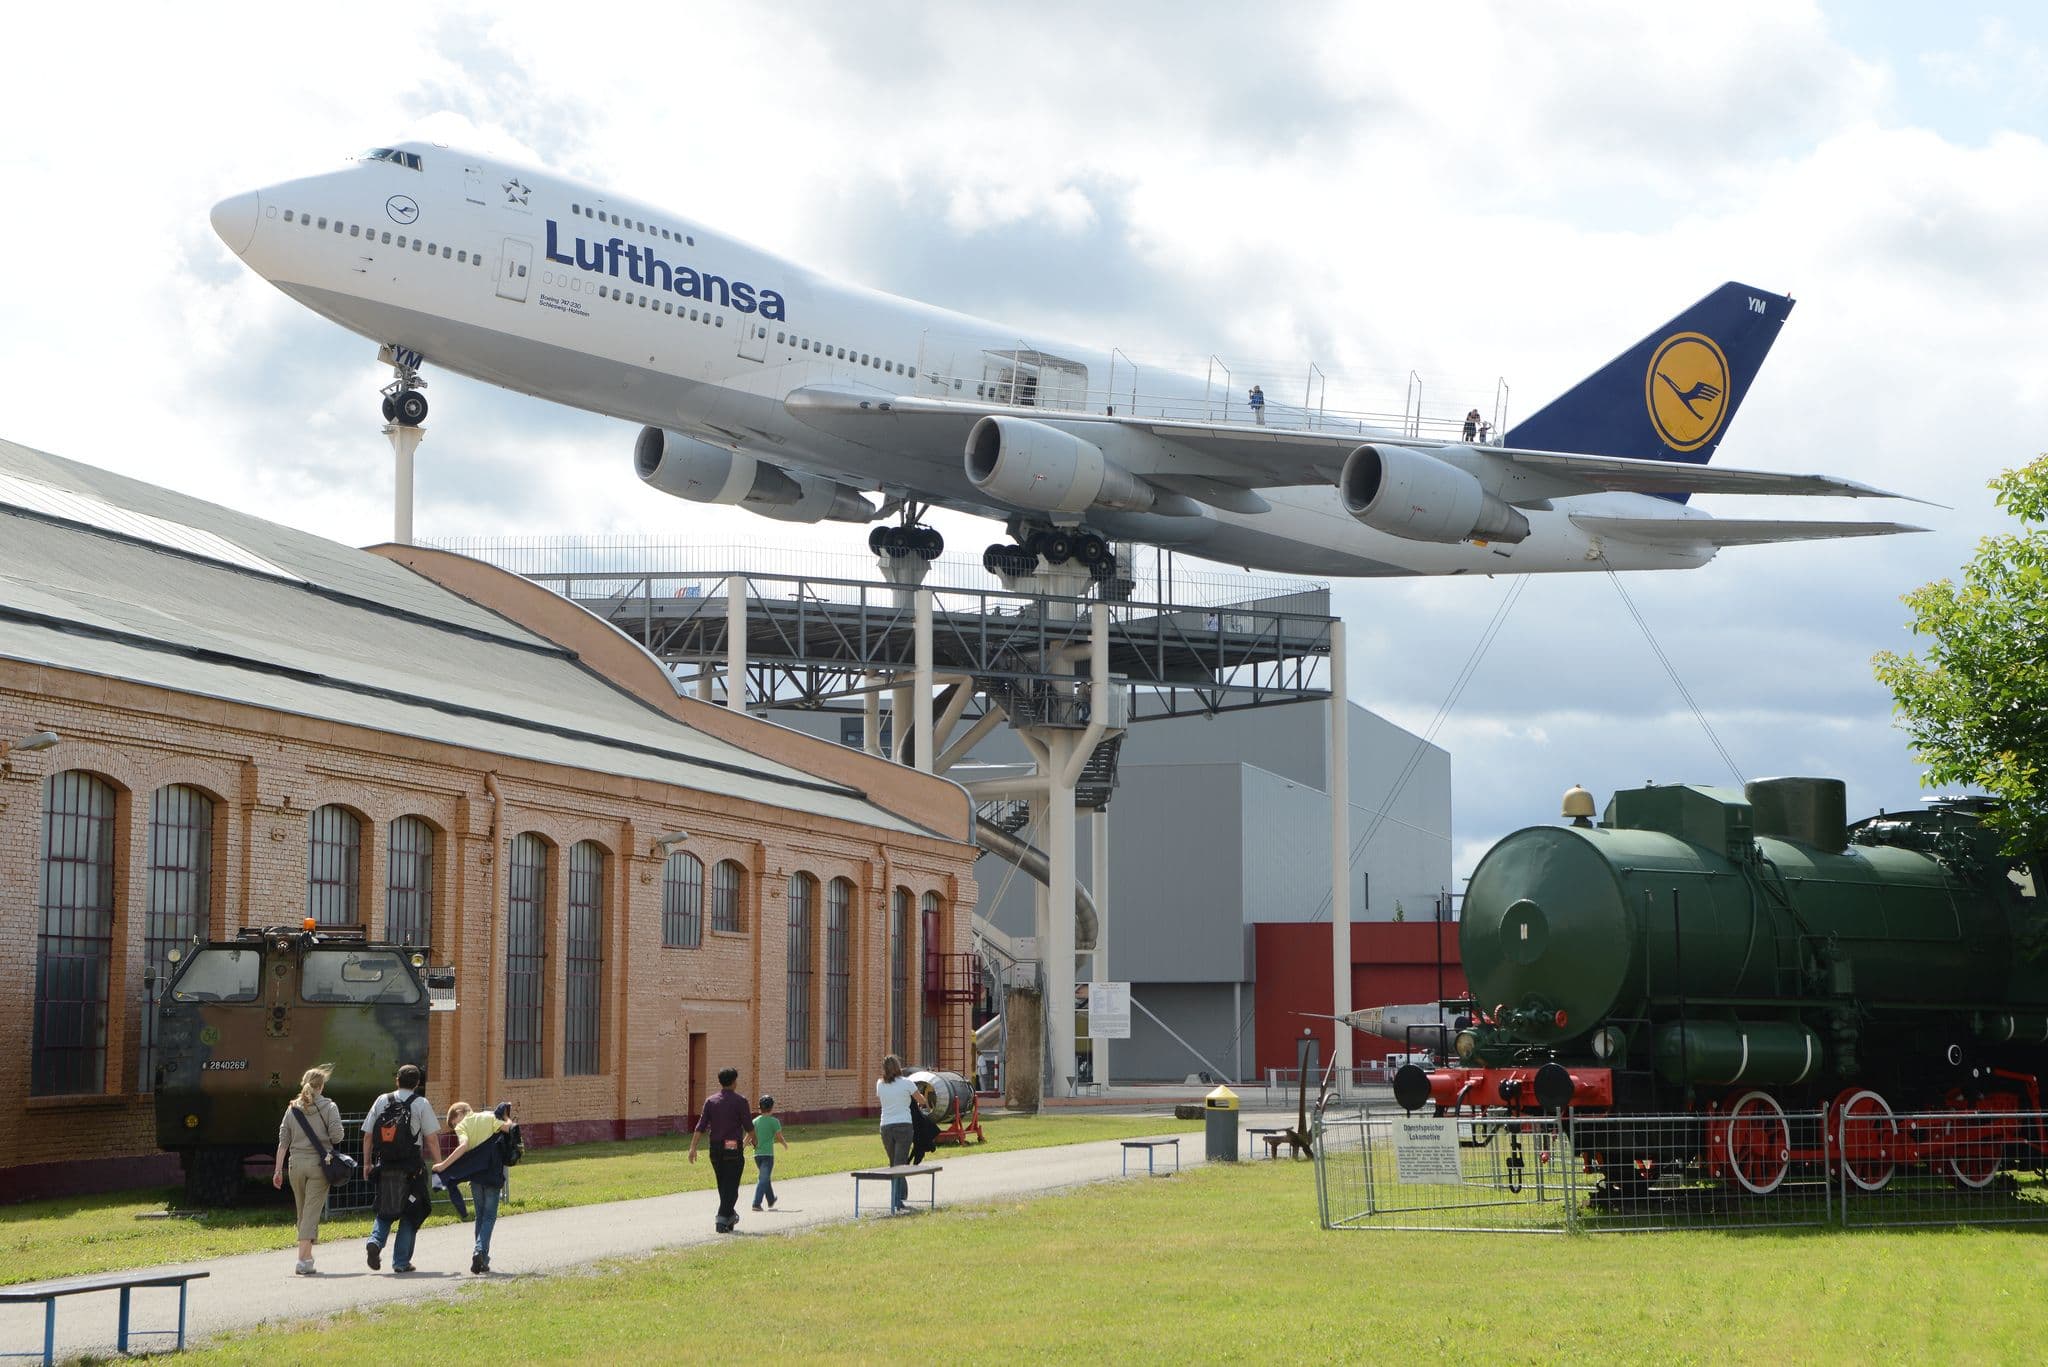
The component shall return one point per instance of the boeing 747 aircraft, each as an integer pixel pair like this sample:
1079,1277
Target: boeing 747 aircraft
760,384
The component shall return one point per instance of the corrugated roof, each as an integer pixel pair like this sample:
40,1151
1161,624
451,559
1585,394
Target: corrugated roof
361,641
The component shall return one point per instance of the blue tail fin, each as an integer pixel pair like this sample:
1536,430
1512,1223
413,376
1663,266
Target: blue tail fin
1671,395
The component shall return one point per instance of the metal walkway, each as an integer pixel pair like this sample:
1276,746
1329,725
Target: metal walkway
812,640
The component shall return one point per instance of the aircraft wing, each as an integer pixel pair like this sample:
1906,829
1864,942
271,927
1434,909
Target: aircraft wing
1728,531
1244,456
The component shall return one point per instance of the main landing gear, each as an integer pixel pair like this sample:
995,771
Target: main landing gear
403,403
1056,546
900,543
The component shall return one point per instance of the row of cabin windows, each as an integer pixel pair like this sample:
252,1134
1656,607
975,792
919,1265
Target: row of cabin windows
76,912
661,305
840,353
652,230
807,949
459,255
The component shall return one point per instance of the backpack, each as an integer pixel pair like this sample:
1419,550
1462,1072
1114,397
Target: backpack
396,1144
511,1145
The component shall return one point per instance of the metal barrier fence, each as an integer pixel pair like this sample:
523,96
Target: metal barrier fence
1380,1170
1754,1167
1942,1167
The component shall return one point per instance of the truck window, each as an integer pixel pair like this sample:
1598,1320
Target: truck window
356,975
221,975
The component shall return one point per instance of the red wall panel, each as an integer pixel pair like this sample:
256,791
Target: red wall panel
1393,963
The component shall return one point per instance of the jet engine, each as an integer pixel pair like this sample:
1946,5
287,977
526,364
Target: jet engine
1411,494
704,473
1038,466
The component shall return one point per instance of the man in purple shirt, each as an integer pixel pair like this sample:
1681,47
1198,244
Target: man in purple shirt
726,1122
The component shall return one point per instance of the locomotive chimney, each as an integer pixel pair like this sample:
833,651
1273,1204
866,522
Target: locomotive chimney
1808,811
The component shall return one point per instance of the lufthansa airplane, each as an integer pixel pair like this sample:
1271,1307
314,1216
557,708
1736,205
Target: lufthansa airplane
761,384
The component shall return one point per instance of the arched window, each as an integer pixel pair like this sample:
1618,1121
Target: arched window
803,902
526,901
682,901
180,897
838,968
585,986
727,880
932,936
409,886
76,939
334,865
902,936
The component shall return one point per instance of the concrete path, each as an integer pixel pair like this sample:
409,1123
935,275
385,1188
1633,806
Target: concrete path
254,1288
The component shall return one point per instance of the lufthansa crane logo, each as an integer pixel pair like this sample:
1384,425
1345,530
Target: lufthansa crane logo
1686,390
402,209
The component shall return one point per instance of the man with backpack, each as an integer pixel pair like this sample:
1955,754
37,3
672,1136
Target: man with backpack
401,1140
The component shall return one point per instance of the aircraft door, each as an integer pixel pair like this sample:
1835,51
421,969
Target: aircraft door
514,266
753,340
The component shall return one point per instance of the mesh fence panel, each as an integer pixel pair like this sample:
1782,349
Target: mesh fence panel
1389,1170
1943,1168
1753,1166
1758,1168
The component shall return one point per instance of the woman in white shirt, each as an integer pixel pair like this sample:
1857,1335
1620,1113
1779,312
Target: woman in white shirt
309,1121
897,1094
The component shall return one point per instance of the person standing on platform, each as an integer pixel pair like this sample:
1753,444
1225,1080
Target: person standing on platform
1258,402
726,1123
1471,424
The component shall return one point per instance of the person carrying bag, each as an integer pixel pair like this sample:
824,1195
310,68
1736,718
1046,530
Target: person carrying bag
314,1164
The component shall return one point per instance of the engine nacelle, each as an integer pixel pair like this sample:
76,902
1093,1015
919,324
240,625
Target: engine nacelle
704,473
1410,494
1038,466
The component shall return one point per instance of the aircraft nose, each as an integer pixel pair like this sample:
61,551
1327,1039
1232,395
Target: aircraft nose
235,220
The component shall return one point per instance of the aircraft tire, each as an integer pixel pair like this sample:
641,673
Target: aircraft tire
878,539
390,409
1058,548
929,544
411,406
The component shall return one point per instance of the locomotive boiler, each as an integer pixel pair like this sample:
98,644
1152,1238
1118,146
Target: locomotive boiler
1732,955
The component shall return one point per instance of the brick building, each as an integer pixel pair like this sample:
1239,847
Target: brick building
255,725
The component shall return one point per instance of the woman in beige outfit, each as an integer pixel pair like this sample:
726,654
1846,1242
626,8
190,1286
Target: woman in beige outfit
309,1184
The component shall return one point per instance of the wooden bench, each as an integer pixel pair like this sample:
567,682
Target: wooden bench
898,1173
1254,1137
1151,1148
125,1282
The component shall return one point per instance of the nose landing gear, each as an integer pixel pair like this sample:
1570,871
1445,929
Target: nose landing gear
402,401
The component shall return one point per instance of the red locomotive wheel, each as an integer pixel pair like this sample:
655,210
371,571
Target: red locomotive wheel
1866,1139
1759,1143
1976,1151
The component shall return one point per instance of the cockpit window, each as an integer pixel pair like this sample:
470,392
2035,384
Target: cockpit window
221,975
356,975
409,160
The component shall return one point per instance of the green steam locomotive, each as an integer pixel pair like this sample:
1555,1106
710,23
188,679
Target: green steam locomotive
1735,956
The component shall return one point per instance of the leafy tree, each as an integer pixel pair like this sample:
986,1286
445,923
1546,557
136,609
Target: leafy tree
1976,703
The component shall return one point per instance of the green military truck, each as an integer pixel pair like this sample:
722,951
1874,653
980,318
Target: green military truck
240,1020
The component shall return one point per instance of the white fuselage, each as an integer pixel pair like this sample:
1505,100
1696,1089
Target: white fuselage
544,285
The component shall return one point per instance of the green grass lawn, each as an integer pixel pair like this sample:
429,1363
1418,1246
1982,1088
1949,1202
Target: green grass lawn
1228,1264
61,1238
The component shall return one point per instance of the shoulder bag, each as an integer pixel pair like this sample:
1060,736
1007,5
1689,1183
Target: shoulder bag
336,1166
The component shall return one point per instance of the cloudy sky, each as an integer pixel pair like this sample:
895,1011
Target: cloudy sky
1473,192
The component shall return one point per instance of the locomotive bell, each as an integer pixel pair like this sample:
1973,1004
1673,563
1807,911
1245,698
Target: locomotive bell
1578,806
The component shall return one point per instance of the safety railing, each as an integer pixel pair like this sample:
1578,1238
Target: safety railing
1750,1166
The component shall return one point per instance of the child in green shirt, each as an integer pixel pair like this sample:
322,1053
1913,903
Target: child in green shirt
767,1134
